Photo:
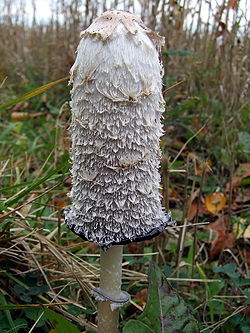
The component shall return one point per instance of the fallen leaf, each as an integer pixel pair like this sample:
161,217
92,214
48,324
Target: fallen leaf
223,238
215,202
193,205
142,296
60,201
242,172
243,196
246,255
193,210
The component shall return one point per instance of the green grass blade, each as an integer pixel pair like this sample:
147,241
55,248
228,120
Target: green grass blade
37,183
13,278
32,93
59,323
12,187
6,131
17,306
7,312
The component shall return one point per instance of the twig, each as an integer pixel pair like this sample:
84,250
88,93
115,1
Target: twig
3,82
187,142
219,323
173,86
23,205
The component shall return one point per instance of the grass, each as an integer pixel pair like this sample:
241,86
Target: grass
46,271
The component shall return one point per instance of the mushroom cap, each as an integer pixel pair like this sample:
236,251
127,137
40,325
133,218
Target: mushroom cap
104,26
117,106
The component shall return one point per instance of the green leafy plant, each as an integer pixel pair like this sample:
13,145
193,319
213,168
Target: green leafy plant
165,310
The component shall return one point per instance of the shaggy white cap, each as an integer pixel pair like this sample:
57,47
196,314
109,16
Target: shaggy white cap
117,104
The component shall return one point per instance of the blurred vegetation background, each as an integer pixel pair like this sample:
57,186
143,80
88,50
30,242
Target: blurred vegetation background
47,272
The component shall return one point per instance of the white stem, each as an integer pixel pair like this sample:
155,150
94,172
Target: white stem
110,285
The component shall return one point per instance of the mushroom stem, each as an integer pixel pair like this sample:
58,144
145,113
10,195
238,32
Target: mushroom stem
110,285
108,320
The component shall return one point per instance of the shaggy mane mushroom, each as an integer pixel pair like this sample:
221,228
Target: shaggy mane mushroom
117,106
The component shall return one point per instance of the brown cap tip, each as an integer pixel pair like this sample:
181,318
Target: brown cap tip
105,25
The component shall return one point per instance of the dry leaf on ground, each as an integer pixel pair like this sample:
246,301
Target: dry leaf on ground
215,202
242,172
243,196
142,296
193,209
223,238
245,255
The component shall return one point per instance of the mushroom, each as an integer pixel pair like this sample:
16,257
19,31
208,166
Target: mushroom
117,105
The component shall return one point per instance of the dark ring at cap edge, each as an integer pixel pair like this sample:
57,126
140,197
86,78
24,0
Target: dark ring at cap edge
153,233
